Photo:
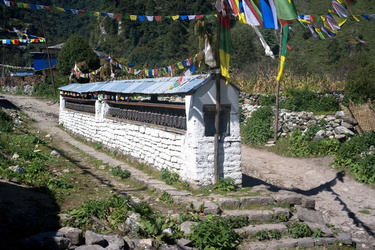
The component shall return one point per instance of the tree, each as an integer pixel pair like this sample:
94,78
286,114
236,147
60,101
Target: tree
75,50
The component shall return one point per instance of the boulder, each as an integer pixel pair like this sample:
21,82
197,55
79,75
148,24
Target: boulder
92,238
340,114
340,130
310,215
75,235
187,226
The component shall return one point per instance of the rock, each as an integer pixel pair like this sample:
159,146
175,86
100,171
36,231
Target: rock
168,231
345,238
187,226
346,125
148,242
320,135
15,156
326,230
211,208
92,238
309,215
75,235
308,202
288,198
350,120
258,200
55,152
229,202
133,221
90,247
46,240
115,242
18,169
340,130
340,114
184,244
48,136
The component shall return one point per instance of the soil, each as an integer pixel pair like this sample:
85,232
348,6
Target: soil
345,203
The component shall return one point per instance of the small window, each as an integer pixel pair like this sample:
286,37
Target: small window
209,120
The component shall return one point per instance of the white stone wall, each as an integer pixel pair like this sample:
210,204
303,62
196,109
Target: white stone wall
150,145
190,154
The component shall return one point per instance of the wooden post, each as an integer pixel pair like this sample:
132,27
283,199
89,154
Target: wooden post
276,127
2,74
49,63
217,129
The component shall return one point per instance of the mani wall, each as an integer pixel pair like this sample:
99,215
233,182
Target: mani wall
187,152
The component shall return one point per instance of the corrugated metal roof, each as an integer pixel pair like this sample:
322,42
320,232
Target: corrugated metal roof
159,86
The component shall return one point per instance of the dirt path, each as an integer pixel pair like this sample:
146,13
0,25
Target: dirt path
345,203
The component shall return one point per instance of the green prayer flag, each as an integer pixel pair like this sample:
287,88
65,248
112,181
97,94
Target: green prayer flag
286,9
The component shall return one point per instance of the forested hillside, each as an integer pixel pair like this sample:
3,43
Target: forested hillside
159,43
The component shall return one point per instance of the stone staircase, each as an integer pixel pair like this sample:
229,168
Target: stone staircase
266,211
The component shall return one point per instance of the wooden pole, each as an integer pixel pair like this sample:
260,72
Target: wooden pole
2,74
49,63
217,107
276,127
217,129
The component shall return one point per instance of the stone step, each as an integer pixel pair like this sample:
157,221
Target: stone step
260,215
253,229
288,243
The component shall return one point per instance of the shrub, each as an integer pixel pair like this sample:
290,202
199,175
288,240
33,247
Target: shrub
257,130
305,145
169,177
301,230
213,232
226,184
362,82
6,122
306,100
358,157
123,174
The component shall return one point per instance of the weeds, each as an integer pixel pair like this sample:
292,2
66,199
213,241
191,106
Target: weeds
123,174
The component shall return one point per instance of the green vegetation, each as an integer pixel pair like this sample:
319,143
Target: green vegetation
123,174
258,129
226,185
169,177
306,100
305,145
76,50
300,230
213,233
358,157
268,235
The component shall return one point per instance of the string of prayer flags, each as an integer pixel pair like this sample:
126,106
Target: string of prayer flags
15,67
21,34
21,41
141,18
130,70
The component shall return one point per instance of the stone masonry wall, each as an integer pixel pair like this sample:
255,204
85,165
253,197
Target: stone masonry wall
152,146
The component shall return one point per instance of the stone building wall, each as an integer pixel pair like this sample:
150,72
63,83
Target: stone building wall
152,146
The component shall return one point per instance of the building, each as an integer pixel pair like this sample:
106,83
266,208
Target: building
132,117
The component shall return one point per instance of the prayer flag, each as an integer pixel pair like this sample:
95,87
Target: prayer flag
283,53
269,14
225,42
286,11
340,10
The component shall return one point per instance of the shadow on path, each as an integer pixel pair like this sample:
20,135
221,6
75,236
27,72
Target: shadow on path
249,181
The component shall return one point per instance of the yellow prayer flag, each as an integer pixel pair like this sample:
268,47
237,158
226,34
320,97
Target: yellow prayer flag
175,17
281,71
26,6
96,14
133,17
60,9
179,65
